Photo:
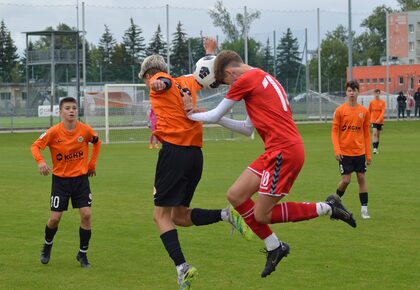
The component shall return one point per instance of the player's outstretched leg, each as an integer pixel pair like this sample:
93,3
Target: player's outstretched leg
186,276
274,257
82,258
45,253
238,223
339,212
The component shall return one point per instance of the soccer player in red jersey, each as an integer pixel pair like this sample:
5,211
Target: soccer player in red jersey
68,142
272,174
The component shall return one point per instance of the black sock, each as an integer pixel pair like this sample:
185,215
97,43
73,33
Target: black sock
363,196
49,234
339,192
202,217
377,145
171,242
84,239
374,145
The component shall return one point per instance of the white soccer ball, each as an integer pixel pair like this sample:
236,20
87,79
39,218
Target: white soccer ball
204,72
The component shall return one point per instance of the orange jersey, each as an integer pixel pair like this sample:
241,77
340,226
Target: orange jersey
69,149
377,111
350,131
173,125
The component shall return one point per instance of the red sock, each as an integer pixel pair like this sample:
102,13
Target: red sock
246,210
293,212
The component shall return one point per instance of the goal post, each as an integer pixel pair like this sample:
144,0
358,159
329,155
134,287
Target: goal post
118,112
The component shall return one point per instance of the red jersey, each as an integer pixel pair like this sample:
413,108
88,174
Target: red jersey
69,149
268,108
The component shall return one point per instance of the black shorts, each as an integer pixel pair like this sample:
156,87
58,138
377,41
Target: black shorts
64,188
350,164
178,172
377,126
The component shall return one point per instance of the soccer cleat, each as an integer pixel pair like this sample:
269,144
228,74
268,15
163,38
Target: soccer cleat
157,146
45,254
338,211
375,151
82,258
238,223
187,275
150,146
365,214
274,257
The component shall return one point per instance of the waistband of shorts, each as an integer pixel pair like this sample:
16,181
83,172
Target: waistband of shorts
170,145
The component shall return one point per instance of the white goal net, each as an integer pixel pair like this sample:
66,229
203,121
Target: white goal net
118,112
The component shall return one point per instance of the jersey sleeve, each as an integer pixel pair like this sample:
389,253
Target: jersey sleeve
382,114
96,146
240,89
40,144
334,131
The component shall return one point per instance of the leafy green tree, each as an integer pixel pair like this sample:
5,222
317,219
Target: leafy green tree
94,65
8,56
134,43
179,52
255,51
222,19
157,45
409,5
371,44
288,60
334,61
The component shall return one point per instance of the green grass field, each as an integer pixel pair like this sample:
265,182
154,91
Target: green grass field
126,251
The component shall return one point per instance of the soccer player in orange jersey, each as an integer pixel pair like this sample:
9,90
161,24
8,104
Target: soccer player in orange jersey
180,162
68,142
351,140
273,173
377,109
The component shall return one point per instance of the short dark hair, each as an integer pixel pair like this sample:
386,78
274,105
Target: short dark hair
224,59
67,100
377,90
353,84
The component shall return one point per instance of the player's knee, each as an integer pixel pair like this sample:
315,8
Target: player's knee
361,179
261,217
85,218
233,197
53,222
345,182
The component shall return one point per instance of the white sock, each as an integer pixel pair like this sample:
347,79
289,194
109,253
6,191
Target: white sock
364,207
271,242
224,214
323,208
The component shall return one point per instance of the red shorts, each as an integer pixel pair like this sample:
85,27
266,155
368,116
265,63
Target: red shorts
278,169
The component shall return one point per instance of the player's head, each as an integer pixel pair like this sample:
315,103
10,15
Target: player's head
68,108
67,101
352,89
377,92
151,65
226,66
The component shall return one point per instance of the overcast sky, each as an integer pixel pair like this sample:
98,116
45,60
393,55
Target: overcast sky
276,15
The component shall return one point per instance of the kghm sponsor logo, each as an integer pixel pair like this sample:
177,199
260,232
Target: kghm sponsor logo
350,128
69,157
74,155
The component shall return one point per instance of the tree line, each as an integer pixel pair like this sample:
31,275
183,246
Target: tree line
113,61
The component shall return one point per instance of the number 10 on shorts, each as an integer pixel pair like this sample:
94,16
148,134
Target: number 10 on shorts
55,201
